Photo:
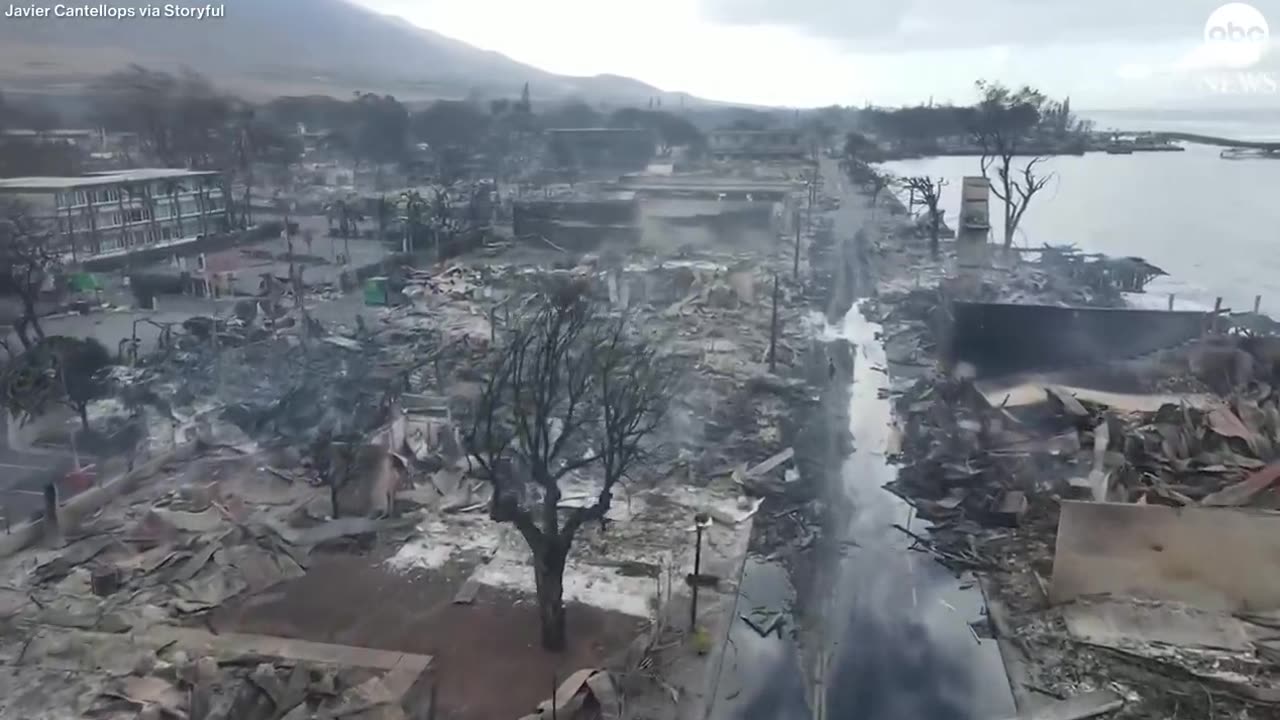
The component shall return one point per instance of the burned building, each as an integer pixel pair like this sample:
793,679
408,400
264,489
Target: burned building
621,149
757,145
579,221
680,210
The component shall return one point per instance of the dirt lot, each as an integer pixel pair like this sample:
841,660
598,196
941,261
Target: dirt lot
487,657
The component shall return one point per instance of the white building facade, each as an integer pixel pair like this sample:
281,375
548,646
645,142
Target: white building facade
115,213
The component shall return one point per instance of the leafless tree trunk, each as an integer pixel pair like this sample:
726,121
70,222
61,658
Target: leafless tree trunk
27,256
1003,120
877,182
930,192
1013,187
567,389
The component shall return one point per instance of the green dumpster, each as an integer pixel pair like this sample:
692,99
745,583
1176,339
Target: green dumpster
83,282
375,291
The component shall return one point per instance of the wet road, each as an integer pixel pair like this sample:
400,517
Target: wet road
889,634
898,639
898,642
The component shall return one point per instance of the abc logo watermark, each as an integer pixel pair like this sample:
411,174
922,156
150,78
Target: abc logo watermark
1236,35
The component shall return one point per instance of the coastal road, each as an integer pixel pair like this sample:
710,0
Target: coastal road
897,641
886,632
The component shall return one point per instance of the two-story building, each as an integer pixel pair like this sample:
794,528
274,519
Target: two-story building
113,213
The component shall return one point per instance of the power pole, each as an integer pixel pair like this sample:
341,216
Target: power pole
795,261
813,191
773,329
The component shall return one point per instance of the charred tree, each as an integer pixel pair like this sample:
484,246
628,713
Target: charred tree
929,191
877,181
568,389
27,258
1003,122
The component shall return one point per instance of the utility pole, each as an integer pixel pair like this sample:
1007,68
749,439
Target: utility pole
795,261
60,364
773,329
813,191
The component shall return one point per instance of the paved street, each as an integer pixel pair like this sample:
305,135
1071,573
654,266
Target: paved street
898,643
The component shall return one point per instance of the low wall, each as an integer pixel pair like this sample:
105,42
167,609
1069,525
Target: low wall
1003,338
85,504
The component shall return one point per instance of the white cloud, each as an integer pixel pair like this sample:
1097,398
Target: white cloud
807,52
1134,71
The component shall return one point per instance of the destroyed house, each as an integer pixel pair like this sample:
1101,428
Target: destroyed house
757,144
601,148
112,214
579,221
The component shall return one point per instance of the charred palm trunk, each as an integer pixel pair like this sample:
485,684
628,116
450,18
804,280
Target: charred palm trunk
71,233
95,241
202,210
124,219
176,204
935,229
228,216
151,204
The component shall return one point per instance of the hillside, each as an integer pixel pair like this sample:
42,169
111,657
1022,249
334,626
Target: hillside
265,48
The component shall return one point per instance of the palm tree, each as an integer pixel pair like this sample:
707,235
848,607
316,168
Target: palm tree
201,207
413,212
383,212
246,149
71,229
92,217
172,188
149,201
227,217
442,218
124,216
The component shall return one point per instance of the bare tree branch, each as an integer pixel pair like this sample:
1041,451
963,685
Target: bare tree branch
568,388
930,193
27,258
1004,119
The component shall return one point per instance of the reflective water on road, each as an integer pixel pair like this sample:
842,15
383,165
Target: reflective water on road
762,675
899,642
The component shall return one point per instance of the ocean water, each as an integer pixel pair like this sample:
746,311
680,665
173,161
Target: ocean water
1212,224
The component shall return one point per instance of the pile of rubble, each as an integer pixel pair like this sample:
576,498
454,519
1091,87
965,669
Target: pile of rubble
1120,515
728,417
104,624
246,401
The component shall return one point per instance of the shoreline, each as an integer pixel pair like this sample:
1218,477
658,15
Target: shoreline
1076,208
945,426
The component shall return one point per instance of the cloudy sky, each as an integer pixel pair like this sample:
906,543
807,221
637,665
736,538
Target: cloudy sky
1104,53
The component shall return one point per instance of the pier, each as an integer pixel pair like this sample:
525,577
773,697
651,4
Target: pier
1206,140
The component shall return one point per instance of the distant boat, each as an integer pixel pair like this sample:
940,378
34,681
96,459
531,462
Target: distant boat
1118,149
1237,153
